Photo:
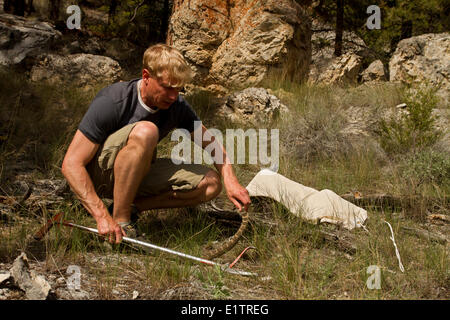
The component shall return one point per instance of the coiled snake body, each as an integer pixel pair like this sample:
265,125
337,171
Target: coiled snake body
229,243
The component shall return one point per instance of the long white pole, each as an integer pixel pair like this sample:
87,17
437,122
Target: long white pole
183,255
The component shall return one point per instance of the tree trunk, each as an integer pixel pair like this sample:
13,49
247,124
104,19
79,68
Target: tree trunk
339,27
406,30
29,7
7,6
54,9
20,8
16,7
112,10
164,21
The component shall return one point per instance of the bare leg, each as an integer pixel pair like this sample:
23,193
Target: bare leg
131,165
207,189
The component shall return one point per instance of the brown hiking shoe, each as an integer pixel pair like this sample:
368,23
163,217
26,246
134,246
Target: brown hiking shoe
129,229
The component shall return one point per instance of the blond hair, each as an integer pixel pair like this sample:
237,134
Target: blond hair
160,57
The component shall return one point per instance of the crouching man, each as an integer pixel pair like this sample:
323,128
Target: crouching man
113,152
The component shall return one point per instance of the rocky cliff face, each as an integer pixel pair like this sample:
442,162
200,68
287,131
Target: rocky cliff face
238,43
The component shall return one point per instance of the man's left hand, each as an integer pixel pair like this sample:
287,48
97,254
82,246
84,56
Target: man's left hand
238,195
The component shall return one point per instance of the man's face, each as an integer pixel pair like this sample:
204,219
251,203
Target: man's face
158,92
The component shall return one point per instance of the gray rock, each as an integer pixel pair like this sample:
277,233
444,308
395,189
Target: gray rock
4,277
374,72
252,105
61,281
343,69
34,285
325,66
423,59
92,46
4,294
72,294
20,38
77,69
117,49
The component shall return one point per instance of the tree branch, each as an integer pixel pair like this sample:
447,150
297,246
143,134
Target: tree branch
136,10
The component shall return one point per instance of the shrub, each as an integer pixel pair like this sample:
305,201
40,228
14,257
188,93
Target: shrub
427,166
414,129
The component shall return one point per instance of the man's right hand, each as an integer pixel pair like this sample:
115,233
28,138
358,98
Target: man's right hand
107,227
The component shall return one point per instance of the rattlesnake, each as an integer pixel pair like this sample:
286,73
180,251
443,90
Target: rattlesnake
228,244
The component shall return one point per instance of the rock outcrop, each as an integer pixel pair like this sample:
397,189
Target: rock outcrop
325,66
237,44
20,38
252,105
374,72
423,59
35,286
76,69
343,69
25,279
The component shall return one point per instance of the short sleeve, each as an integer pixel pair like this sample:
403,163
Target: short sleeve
188,116
100,120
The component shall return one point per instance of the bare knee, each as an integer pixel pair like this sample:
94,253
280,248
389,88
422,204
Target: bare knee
144,134
211,184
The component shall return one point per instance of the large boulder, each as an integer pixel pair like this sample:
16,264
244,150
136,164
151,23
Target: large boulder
252,105
35,286
20,38
423,59
342,69
76,69
325,66
239,43
374,72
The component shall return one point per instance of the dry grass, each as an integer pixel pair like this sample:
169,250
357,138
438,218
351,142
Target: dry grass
321,148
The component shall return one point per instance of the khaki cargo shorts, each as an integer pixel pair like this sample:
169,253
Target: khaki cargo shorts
163,176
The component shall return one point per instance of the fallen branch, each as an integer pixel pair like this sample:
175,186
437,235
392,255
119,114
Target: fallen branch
439,217
375,200
339,242
425,234
391,201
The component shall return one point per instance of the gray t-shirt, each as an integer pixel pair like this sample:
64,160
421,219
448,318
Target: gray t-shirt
120,104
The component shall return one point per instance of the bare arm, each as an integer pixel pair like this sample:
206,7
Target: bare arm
235,191
80,152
